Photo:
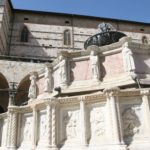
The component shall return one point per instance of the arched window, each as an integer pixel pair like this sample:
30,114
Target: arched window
144,40
24,34
67,37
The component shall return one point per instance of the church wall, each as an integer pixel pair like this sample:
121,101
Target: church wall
5,23
46,32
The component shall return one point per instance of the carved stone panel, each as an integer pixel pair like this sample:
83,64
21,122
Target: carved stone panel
70,126
96,123
42,128
132,120
26,130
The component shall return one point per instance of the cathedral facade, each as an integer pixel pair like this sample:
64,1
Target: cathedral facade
70,82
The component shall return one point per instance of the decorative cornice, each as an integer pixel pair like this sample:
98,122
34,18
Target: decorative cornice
112,91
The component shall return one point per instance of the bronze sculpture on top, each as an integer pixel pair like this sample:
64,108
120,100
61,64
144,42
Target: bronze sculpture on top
107,35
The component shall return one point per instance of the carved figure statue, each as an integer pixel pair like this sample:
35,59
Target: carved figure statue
47,82
71,120
94,65
32,89
128,59
63,71
131,122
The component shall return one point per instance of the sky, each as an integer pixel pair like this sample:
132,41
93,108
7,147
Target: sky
134,10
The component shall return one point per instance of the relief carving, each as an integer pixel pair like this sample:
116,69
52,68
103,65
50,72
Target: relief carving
43,126
97,123
71,124
27,129
131,122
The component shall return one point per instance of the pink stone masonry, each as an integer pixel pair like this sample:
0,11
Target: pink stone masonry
80,70
112,65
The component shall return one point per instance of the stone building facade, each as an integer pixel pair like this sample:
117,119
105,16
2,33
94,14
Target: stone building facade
55,94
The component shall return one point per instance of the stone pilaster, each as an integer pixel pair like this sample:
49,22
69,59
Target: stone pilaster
83,122
114,122
146,110
34,128
49,121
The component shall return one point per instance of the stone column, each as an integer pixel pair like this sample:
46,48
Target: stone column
34,128
146,110
49,121
53,127
83,122
12,129
114,127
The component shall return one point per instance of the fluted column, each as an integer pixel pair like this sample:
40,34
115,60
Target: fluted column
146,110
83,122
114,119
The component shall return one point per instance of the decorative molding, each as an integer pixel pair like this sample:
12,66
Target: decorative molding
112,91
